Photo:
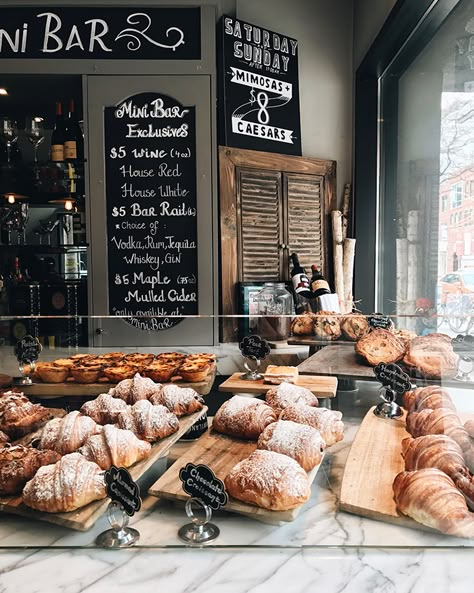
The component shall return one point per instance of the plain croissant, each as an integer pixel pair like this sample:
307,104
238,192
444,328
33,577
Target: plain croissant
431,397
65,435
148,422
328,422
69,484
430,497
136,389
115,446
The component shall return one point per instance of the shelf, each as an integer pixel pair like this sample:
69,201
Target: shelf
43,249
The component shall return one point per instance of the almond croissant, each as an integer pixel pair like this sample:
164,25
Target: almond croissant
104,409
114,446
67,434
70,483
148,422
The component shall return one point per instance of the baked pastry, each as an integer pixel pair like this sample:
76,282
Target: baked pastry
243,417
19,416
302,443
104,409
67,485
119,372
115,446
148,422
194,371
49,373
404,335
432,357
430,497
327,325
161,372
380,345
140,359
111,357
86,374
201,357
269,480
287,394
81,357
175,358
354,327
302,325
328,422
431,397
4,438
67,434
442,452
65,363
19,464
278,374
135,389
469,427
182,401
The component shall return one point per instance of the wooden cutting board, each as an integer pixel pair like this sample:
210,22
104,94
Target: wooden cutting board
337,360
5,381
320,386
220,453
67,389
84,518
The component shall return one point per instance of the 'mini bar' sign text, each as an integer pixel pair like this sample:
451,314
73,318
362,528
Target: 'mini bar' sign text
259,83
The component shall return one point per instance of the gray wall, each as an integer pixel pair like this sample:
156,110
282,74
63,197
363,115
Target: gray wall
369,16
323,29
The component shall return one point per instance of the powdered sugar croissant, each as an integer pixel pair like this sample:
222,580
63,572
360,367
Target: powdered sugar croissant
104,409
328,422
148,422
67,434
182,401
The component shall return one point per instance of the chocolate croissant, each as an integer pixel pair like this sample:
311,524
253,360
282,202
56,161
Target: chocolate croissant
65,435
328,422
115,446
243,417
69,484
104,409
148,422
19,416
182,401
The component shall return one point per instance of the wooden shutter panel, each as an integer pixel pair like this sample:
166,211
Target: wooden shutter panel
306,219
259,198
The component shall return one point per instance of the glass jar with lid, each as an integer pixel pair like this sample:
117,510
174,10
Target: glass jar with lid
275,308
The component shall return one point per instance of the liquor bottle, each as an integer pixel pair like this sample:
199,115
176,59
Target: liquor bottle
319,284
299,278
57,137
73,139
16,274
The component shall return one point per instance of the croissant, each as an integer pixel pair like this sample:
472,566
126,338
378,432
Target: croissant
148,422
443,453
19,464
287,394
442,421
135,389
182,401
430,497
469,426
69,484
328,422
114,446
4,438
19,416
104,409
67,434
431,397
243,417
302,443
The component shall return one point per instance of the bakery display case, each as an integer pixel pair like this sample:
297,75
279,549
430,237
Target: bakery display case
303,460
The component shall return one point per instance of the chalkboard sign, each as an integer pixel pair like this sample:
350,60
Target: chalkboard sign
200,482
150,150
379,321
259,93
254,346
121,488
391,375
463,343
27,349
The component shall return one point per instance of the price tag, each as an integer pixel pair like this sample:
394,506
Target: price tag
391,375
379,321
121,489
254,346
463,343
200,482
27,349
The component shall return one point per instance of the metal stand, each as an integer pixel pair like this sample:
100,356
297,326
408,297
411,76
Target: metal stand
26,368
389,407
465,367
253,374
200,532
120,536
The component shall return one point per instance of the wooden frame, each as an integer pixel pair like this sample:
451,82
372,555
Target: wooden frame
229,160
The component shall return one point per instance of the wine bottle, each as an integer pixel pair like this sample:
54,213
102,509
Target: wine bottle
319,284
299,278
57,137
73,140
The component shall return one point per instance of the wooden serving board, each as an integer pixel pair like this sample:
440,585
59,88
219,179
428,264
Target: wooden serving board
320,386
374,461
67,389
84,518
220,453
337,360
5,381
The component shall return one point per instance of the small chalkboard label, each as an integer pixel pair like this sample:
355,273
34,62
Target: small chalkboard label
463,343
27,349
379,321
200,482
254,346
197,429
391,375
121,489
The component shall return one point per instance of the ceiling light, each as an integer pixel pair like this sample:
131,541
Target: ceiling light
3,92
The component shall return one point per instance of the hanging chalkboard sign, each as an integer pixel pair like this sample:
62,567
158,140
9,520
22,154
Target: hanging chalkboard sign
254,346
150,162
27,349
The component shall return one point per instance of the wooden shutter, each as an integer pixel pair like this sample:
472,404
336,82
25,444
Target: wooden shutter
260,224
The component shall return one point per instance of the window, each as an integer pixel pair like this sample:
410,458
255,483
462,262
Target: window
456,195
444,203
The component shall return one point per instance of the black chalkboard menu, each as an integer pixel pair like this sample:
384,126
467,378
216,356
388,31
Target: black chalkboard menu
150,163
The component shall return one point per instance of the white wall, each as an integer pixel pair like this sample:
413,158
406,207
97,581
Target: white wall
323,29
369,16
